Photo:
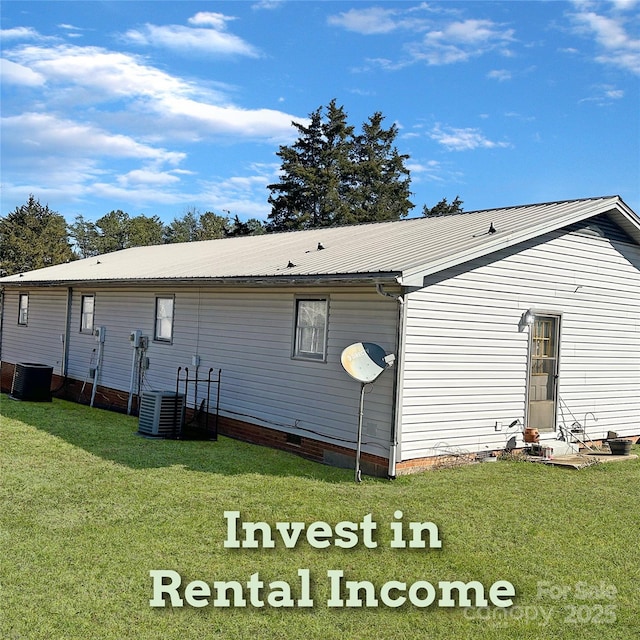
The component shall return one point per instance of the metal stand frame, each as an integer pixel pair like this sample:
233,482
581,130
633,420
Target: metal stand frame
208,380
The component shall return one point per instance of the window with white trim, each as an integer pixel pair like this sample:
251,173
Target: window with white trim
310,341
23,308
87,308
164,319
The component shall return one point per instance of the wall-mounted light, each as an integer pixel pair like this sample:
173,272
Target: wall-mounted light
526,320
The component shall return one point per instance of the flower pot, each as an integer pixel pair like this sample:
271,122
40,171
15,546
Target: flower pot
619,446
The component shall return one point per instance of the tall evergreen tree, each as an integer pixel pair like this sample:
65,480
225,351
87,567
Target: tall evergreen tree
443,208
331,176
380,180
32,237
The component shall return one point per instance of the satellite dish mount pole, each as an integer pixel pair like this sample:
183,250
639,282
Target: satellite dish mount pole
360,415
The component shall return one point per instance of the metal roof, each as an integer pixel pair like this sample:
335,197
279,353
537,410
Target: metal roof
405,250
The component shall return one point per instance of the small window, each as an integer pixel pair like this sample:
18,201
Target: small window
164,319
86,314
23,308
311,328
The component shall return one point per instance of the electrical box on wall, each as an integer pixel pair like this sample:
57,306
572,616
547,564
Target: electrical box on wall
100,333
134,338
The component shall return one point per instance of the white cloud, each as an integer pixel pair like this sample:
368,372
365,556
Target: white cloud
92,75
616,46
19,33
267,4
604,95
56,137
501,75
209,36
141,195
244,195
107,74
369,21
460,41
467,139
211,19
147,177
17,74
228,119
444,40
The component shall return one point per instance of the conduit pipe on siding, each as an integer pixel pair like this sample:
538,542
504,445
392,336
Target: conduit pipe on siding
397,380
96,372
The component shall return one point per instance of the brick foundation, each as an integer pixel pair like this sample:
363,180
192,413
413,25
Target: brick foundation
310,448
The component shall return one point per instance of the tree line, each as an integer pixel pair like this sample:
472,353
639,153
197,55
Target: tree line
33,236
331,175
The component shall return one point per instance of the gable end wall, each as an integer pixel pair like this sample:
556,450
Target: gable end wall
465,360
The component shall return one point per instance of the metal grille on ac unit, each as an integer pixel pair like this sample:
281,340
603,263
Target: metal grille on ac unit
161,414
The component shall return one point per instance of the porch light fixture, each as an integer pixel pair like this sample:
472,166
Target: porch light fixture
526,320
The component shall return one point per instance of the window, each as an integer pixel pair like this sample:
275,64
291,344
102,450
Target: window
23,308
311,328
164,319
86,314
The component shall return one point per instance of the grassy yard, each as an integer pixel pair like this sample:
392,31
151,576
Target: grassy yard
88,508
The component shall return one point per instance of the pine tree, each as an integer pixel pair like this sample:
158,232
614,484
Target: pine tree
32,237
380,187
331,176
443,208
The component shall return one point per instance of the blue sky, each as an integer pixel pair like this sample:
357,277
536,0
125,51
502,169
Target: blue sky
159,107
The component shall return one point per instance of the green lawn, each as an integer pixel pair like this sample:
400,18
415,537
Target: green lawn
88,508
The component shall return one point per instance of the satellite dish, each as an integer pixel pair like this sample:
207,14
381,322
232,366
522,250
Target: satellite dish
365,361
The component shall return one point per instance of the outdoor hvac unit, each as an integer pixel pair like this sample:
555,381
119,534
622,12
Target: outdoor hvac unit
161,414
32,382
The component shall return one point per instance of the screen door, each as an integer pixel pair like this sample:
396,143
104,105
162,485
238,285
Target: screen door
543,373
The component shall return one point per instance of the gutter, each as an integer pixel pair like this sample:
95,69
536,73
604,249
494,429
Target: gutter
397,380
250,281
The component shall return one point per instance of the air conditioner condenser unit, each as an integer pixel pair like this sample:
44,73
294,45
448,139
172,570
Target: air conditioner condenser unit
161,414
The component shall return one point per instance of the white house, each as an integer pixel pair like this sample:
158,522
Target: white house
519,317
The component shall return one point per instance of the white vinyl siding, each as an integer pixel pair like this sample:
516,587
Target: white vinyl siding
40,340
248,335
466,360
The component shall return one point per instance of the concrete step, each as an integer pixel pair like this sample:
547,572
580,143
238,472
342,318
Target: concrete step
561,448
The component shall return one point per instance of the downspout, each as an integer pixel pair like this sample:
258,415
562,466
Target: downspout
67,334
397,380
1,320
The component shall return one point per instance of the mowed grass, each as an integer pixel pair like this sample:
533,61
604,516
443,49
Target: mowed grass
88,508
